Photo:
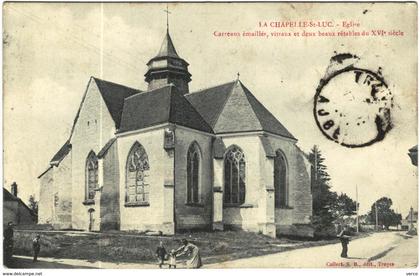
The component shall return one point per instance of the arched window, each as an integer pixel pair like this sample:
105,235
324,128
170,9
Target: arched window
91,175
234,176
280,181
137,188
193,174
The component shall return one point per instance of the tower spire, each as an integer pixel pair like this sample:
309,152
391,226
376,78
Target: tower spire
167,17
167,67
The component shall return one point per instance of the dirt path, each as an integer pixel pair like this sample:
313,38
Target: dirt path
364,252
327,256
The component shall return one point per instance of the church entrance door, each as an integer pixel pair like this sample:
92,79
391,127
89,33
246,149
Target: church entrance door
91,219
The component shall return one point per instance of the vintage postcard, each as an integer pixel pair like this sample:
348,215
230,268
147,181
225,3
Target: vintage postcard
210,135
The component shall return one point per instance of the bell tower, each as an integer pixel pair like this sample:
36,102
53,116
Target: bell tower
167,67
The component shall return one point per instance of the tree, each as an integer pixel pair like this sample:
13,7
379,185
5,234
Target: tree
322,198
343,206
386,216
33,205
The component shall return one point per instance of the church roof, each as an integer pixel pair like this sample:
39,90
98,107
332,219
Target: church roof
209,102
167,49
114,95
105,148
158,106
61,153
8,196
231,107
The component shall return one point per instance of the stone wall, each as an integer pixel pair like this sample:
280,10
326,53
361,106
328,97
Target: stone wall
63,201
110,195
94,128
189,216
158,214
299,210
248,216
15,212
258,213
46,198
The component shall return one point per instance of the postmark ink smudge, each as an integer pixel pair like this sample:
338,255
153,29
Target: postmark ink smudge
352,105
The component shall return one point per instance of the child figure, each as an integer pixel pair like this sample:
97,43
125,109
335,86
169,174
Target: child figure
161,254
36,245
172,259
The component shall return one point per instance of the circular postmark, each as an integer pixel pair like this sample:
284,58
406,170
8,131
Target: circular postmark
353,106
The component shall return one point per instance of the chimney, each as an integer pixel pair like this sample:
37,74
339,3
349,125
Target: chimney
13,189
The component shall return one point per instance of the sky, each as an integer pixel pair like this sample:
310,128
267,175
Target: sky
52,49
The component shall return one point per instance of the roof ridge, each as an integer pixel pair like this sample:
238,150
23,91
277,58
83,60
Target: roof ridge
191,105
114,83
224,103
245,90
210,87
147,92
249,94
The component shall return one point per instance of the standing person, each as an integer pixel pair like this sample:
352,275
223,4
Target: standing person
345,239
161,254
8,243
172,259
36,245
192,251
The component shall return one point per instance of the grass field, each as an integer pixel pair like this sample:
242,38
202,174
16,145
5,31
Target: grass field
126,247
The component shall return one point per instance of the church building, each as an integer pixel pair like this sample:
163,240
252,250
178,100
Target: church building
171,160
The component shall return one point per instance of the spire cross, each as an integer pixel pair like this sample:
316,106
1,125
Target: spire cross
167,17
238,75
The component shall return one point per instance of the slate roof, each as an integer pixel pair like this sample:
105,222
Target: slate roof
267,120
7,196
167,49
61,153
226,108
107,146
210,102
158,106
114,95
231,107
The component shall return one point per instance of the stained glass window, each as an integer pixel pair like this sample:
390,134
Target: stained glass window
91,175
193,171
280,181
234,176
137,187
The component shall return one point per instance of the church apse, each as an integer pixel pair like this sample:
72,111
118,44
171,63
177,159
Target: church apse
157,168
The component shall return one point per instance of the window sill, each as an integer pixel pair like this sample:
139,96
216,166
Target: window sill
285,207
137,204
194,204
245,205
88,202
217,189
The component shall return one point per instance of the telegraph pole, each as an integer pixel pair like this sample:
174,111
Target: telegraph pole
376,215
357,210
316,163
317,189
411,218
